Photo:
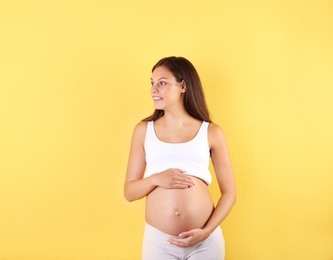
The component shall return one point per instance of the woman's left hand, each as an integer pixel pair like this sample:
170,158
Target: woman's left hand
188,238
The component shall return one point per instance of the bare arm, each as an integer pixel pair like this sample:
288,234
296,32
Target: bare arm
136,187
225,177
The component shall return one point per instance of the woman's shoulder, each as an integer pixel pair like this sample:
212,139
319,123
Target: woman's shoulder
141,127
215,133
214,128
139,132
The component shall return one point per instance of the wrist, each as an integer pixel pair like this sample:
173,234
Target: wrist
207,231
153,180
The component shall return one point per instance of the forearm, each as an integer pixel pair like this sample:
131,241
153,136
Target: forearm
223,208
138,189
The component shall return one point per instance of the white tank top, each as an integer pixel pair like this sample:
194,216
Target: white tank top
192,156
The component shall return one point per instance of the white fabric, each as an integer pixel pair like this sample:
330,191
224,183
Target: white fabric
156,247
192,156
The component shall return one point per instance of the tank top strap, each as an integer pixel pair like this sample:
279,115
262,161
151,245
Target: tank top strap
203,131
150,130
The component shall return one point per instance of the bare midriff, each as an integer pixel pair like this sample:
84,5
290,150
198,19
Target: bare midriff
173,211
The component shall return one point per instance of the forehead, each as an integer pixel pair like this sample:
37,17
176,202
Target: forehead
162,72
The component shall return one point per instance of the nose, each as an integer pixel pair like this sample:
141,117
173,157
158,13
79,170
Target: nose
154,89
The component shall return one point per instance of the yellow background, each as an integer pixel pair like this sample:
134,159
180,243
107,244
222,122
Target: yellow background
74,78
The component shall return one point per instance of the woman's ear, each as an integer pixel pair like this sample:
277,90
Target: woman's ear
183,84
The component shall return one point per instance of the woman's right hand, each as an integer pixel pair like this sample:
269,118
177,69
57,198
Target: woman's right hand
173,179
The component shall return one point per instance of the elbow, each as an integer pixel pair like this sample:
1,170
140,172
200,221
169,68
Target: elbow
233,196
129,199
234,199
128,196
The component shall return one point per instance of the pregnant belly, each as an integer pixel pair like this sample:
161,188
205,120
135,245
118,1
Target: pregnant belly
173,211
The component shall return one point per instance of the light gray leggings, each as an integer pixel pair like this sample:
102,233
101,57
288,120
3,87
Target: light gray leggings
155,246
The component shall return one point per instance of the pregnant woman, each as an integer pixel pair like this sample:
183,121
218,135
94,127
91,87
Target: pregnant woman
169,166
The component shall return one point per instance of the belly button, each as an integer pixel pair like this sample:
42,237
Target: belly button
177,213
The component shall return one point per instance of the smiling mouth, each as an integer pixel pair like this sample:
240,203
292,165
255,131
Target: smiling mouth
157,98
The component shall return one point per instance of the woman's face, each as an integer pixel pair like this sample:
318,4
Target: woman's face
165,90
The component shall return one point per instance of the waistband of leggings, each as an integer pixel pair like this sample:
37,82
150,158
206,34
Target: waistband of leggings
156,231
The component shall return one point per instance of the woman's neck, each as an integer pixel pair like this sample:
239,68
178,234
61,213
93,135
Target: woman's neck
177,120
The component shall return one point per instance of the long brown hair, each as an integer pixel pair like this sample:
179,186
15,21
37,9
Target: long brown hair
194,98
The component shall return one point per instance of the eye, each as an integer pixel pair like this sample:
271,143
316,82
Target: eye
162,83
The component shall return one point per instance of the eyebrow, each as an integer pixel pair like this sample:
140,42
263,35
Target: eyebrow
159,78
